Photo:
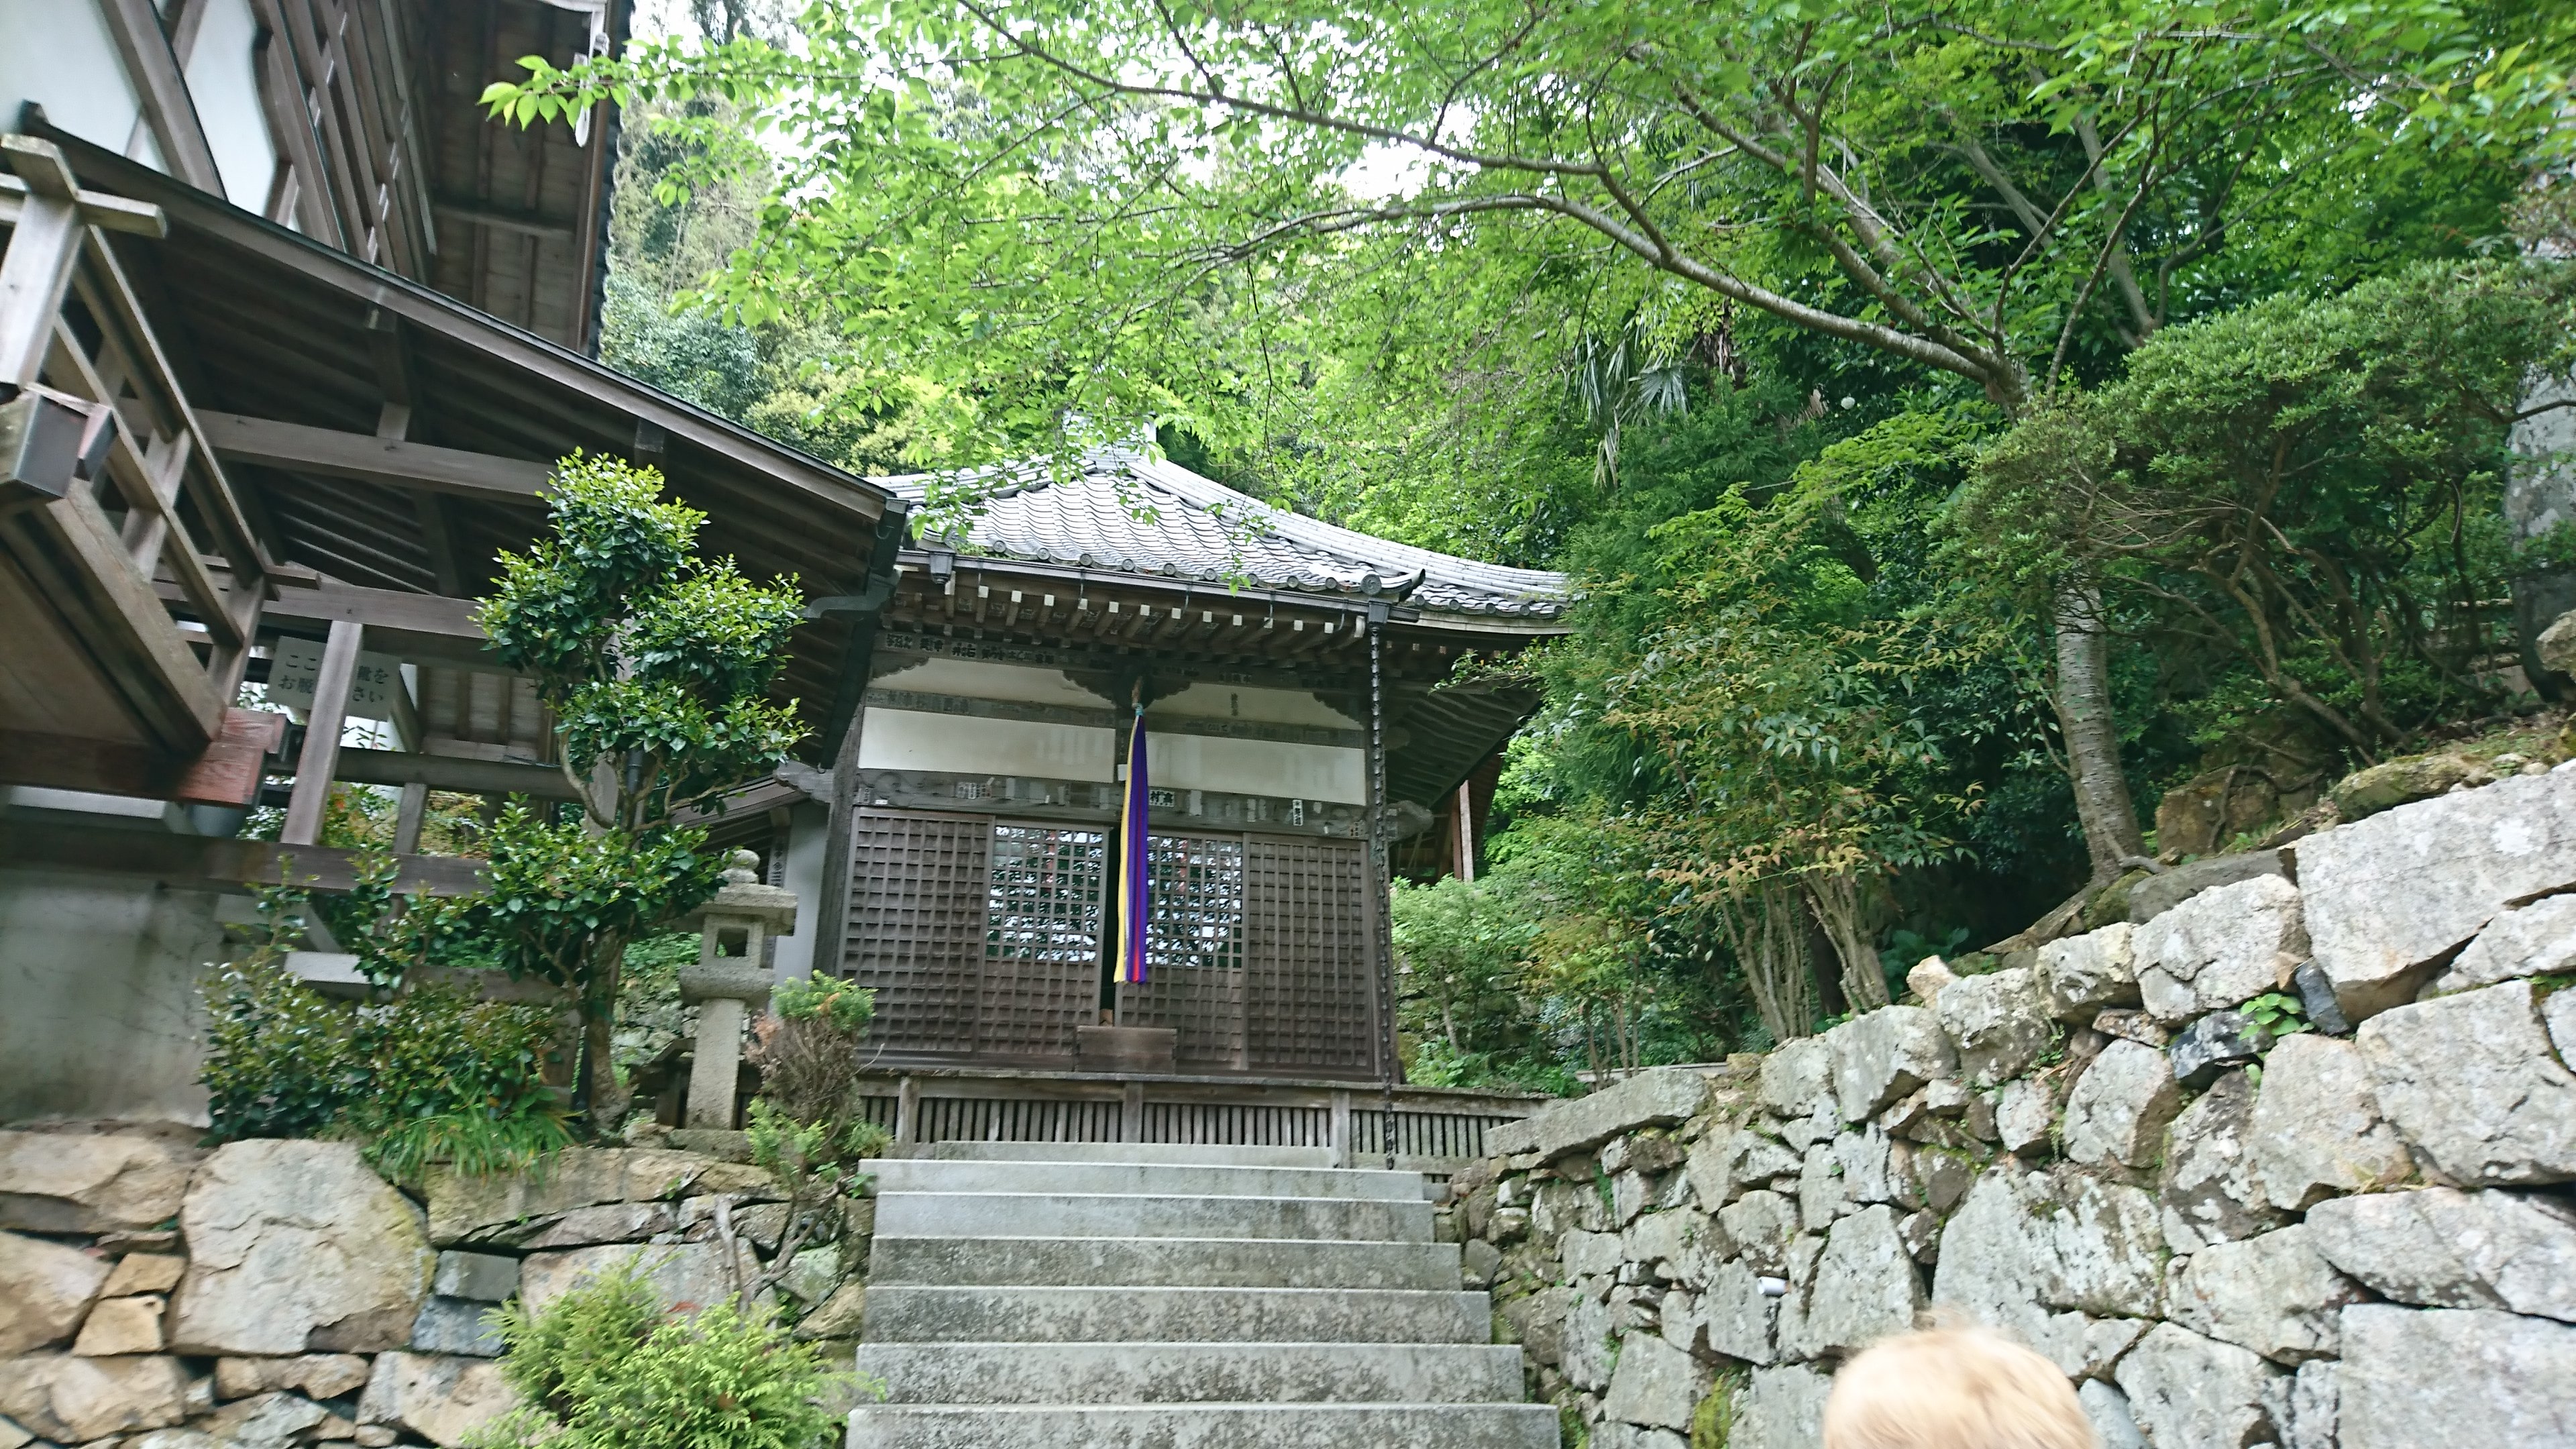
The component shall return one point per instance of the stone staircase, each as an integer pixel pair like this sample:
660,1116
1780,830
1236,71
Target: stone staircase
1107,1296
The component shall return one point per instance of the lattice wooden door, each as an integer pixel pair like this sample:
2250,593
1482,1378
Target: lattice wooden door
1194,950
1041,974
981,939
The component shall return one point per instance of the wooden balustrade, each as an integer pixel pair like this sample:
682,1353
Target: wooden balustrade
1437,1129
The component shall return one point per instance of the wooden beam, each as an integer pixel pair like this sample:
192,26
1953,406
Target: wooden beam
421,628
320,757
107,213
450,772
226,772
201,862
162,90
502,219
387,462
532,359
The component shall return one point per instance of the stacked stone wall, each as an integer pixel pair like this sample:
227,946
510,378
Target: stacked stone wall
2356,1236
269,1293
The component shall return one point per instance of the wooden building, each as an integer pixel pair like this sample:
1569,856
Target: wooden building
1299,682
289,336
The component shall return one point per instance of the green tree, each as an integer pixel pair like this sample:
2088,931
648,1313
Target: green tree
656,665
1036,205
1460,948
2309,489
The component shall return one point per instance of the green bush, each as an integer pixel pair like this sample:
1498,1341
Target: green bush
432,1075
599,1368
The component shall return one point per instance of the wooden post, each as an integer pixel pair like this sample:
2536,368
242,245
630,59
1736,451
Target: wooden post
407,817
1131,1113
1467,830
321,756
1342,1147
37,269
907,1111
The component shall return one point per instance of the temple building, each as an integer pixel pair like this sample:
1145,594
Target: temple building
290,337
1297,680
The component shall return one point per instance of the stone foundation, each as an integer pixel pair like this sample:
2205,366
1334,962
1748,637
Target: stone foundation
160,1295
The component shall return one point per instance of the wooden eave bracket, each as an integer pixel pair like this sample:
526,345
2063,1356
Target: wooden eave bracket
40,170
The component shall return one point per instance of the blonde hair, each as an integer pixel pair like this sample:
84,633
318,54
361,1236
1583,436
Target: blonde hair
1954,1387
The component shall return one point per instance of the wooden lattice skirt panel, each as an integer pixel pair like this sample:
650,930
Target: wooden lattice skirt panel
1217,1123
1003,1119
920,898
1308,991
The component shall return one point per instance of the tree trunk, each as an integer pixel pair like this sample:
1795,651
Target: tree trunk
1836,901
2092,735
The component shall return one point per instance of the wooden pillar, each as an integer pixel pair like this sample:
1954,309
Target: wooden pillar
1131,1112
907,1111
1341,1129
1467,830
321,756
407,818
37,269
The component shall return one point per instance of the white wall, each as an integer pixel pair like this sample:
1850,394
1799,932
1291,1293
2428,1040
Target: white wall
975,679
1255,767
958,744
61,55
223,80
99,1014
1235,701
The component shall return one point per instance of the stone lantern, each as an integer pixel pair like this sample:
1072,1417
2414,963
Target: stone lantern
729,982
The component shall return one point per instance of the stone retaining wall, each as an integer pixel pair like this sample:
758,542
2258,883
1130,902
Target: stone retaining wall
155,1295
2358,1235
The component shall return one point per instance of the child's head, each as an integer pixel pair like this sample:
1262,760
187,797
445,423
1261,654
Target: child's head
1954,1388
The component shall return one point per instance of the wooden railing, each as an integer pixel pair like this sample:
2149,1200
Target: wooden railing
149,504
1437,1129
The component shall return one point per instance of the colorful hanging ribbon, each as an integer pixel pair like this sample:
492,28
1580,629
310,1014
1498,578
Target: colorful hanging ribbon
1132,828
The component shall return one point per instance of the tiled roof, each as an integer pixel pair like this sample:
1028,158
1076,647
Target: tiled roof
1126,510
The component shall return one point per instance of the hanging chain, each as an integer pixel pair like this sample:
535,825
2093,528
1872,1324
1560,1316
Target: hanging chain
1378,870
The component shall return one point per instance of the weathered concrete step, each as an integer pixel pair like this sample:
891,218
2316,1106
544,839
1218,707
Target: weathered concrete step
1164,1373
1145,1179
1175,1315
1183,1153
1205,1426
1125,1215
1161,1263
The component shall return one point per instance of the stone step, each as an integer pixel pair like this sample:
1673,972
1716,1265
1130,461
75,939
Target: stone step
1186,1154
924,1314
1161,1373
1161,1263
1128,1215
1205,1426
1144,1179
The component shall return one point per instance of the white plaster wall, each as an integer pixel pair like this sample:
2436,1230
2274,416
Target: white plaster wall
976,679
61,55
223,81
1233,701
807,825
902,739
1255,767
99,1015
